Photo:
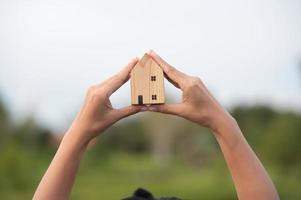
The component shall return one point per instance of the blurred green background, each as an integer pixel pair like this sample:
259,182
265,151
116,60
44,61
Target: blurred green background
167,155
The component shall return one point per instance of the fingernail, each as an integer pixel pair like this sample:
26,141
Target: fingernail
143,108
153,108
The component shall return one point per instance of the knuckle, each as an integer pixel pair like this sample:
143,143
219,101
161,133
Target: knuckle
95,93
194,82
91,90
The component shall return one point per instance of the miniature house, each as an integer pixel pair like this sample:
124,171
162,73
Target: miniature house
147,82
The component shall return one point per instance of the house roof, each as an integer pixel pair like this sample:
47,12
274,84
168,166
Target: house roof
145,59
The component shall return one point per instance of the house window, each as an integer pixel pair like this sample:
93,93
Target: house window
153,78
154,97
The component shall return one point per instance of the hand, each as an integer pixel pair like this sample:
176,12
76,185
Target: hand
197,105
97,112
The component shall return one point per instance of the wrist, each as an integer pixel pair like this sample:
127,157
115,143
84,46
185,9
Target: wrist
226,129
221,120
71,147
77,136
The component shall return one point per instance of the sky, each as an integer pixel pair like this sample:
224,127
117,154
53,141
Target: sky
246,51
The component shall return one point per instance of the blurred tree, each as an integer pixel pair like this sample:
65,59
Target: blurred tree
4,123
29,134
253,121
281,142
3,113
274,135
161,129
130,136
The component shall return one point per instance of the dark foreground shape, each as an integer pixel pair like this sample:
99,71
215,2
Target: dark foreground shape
142,194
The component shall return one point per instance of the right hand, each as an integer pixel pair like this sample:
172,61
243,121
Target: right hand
197,105
97,113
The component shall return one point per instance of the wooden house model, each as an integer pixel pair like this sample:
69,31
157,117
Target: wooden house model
147,82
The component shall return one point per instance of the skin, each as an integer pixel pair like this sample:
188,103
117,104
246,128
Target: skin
198,105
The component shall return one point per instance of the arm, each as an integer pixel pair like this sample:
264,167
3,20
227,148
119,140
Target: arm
94,117
198,105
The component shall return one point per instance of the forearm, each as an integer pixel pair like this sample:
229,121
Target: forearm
59,178
198,105
250,178
95,116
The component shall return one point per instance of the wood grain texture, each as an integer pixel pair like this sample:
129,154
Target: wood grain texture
142,84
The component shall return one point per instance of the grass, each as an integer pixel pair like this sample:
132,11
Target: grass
116,175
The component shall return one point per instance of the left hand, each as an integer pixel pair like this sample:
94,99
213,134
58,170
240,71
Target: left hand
97,113
197,105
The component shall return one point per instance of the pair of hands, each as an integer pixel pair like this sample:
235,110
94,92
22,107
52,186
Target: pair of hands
197,104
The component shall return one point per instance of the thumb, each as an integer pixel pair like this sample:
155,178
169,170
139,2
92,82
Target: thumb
128,110
174,109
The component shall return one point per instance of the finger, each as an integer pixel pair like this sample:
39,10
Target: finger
174,109
174,76
121,77
129,110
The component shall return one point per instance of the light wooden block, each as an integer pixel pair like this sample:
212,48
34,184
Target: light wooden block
147,82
